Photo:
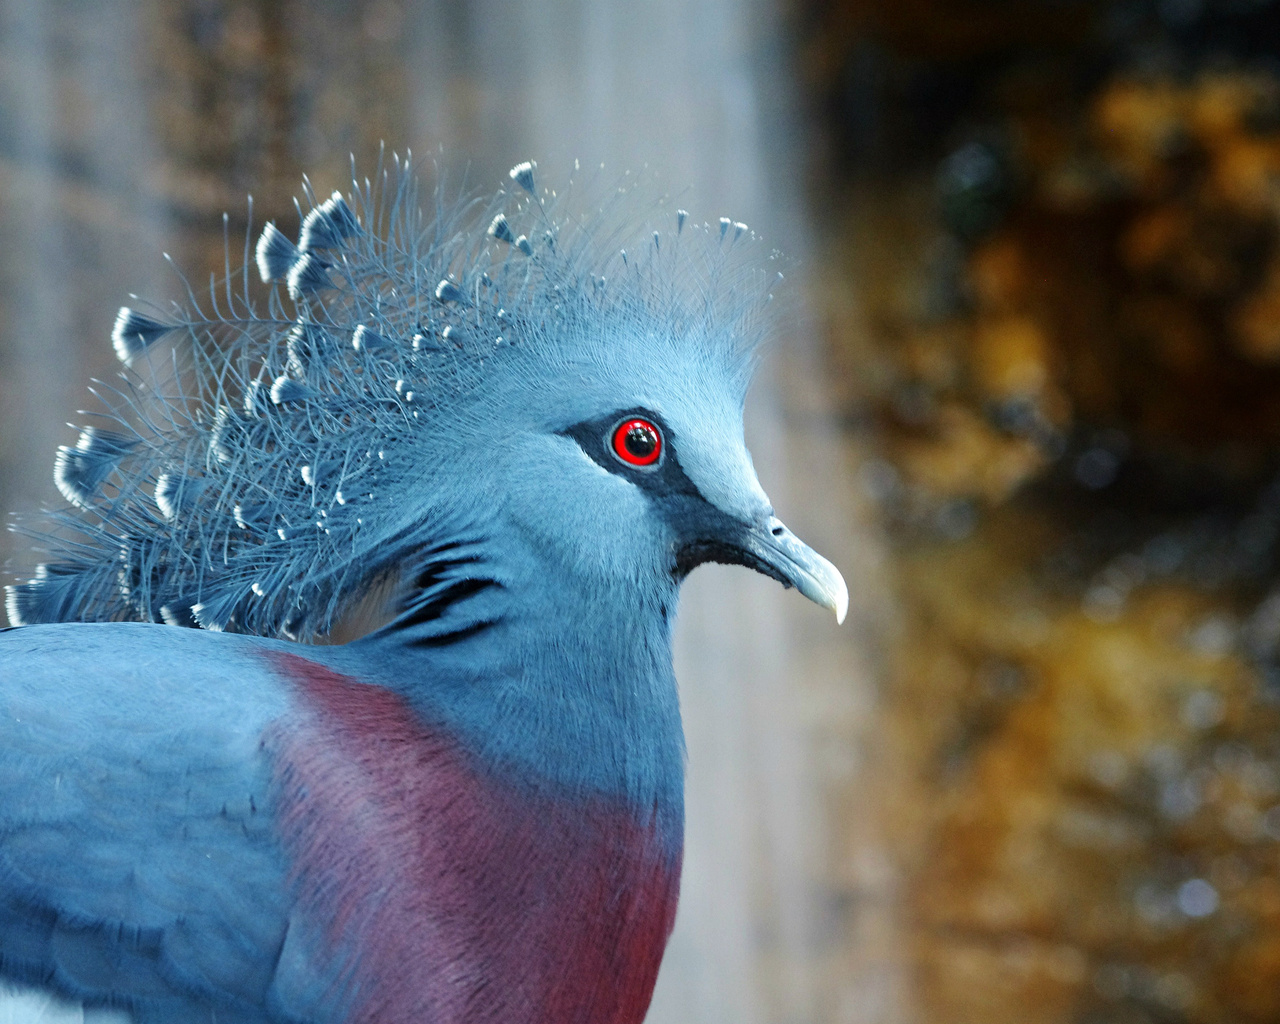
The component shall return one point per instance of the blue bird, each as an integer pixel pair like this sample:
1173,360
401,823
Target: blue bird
525,430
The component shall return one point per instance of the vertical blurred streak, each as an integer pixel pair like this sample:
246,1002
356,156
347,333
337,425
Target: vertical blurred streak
81,224
34,315
853,952
698,93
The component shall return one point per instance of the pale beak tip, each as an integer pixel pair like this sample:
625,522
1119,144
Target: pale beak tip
824,585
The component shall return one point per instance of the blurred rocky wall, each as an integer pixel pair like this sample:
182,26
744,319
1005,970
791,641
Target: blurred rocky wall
1052,277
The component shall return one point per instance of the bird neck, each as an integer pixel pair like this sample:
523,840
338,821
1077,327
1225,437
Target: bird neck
562,680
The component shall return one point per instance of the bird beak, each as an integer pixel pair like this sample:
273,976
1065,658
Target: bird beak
766,546
779,553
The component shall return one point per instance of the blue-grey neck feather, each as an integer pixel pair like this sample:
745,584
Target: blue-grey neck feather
550,681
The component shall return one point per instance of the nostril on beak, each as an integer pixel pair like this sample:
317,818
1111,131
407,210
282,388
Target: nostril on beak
778,531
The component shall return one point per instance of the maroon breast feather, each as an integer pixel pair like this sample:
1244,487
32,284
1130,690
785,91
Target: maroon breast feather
473,898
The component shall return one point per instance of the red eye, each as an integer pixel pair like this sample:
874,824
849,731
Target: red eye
637,442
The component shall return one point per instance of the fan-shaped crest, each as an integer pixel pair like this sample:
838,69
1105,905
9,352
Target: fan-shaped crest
268,485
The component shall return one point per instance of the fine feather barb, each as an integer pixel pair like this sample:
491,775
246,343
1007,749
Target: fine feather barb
275,254
329,225
134,332
80,472
297,447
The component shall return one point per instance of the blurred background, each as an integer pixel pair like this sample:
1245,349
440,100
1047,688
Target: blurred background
1028,400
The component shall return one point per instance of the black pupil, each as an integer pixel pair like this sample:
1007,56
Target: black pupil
640,441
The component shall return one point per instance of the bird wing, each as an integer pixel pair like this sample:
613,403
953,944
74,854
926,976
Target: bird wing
138,860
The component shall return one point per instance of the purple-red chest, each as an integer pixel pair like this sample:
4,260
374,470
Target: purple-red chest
447,895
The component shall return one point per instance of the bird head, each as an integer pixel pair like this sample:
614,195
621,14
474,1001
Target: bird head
624,459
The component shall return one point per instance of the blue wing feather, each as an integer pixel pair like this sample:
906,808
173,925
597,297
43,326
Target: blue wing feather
139,864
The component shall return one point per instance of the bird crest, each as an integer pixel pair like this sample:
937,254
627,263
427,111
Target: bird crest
272,451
